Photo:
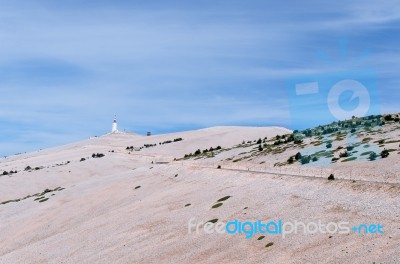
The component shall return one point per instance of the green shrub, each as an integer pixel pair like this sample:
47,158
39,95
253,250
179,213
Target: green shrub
305,159
331,177
350,148
388,118
217,205
224,198
373,156
349,159
366,153
298,141
385,154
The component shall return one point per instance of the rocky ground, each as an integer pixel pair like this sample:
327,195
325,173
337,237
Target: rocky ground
132,204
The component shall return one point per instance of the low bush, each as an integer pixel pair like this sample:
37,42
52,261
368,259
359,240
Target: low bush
305,159
350,148
385,154
298,141
217,205
372,156
224,198
388,118
270,244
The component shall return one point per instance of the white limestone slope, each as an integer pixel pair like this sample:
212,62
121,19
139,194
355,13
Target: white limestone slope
103,216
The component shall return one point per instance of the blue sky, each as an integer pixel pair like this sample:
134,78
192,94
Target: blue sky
66,67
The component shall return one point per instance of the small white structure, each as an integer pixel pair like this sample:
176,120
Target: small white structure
114,128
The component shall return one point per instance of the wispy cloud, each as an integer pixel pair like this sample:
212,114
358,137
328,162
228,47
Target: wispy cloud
170,66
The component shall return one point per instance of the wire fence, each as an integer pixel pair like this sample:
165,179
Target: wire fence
367,173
